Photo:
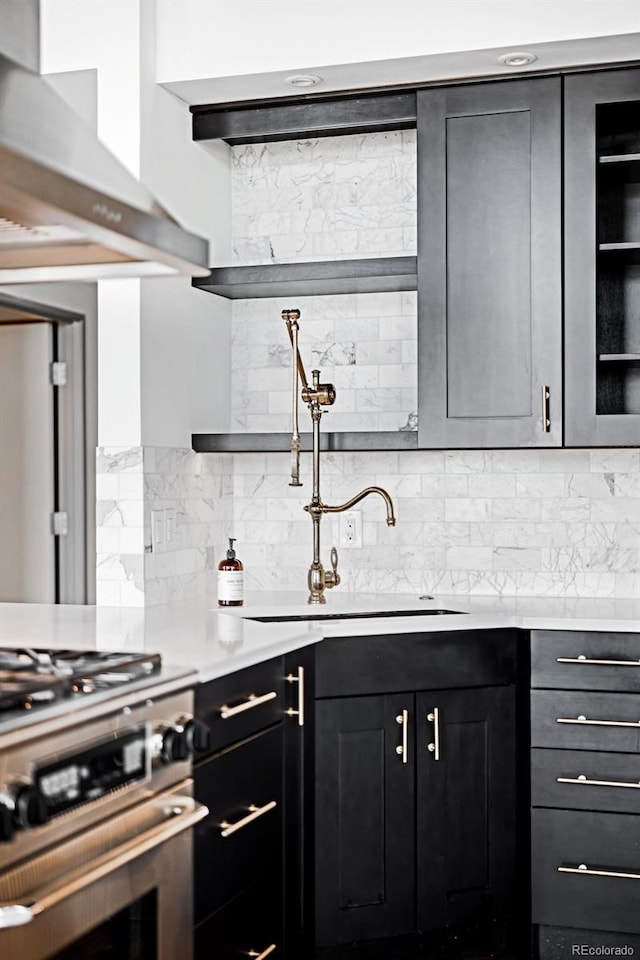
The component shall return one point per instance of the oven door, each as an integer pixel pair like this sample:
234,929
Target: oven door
121,890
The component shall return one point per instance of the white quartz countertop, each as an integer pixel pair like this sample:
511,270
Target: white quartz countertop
197,634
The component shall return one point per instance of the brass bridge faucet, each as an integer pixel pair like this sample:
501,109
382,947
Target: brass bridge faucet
317,396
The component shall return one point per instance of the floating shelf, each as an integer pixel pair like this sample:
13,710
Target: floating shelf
629,250
320,278
308,117
623,165
619,357
281,442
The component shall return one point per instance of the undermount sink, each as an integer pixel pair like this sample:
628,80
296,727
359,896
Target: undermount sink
321,615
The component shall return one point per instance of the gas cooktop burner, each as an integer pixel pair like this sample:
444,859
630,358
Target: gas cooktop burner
31,678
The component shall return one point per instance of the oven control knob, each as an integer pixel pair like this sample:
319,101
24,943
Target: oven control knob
183,740
174,745
31,808
7,826
198,736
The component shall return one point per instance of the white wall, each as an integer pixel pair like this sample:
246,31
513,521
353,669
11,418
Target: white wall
218,38
163,347
186,333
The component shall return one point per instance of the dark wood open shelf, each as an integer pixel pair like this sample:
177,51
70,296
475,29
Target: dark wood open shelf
281,442
320,278
316,117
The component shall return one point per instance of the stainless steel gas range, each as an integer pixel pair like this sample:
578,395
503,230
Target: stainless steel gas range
96,806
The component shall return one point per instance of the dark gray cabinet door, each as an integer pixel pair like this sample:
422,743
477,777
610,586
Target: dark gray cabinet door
602,258
489,264
466,798
365,853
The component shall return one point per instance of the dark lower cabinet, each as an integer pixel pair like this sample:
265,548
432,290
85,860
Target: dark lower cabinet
415,815
365,826
250,890
585,770
246,927
586,870
466,804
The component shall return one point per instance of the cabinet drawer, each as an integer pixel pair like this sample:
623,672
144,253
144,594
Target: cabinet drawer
585,780
240,704
349,666
605,843
249,926
585,720
579,660
236,785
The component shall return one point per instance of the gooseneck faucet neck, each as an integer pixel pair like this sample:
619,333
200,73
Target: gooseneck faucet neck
316,396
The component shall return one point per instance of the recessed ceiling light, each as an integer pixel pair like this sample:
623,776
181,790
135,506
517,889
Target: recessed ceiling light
517,59
303,80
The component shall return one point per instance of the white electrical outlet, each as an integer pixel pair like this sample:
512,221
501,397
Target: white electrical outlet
351,529
158,531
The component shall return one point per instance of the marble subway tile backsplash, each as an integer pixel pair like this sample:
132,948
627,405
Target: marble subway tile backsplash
132,482
365,344
505,523
512,523
324,198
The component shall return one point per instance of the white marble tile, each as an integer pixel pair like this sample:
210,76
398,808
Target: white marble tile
516,558
616,510
466,508
615,461
541,485
468,558
592,485
501,485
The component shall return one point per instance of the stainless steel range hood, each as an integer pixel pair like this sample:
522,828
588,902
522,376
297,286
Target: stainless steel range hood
69,210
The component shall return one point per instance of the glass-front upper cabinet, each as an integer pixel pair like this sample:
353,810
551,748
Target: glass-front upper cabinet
602,258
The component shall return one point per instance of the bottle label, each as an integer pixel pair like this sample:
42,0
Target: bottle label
230,584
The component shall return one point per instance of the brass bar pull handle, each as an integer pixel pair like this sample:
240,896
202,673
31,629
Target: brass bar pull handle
601,663
254,813
299,679
546,422
587,871
582,779
252,701
403,748
265,953
599,723
180,814
434,746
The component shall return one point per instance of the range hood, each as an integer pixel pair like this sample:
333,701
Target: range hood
69,210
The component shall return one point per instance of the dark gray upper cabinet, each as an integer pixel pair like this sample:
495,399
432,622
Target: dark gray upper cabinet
489,265
602,258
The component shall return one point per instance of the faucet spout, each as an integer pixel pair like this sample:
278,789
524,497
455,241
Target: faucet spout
391,519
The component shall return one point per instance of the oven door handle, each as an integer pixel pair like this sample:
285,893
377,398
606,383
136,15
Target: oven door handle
182,813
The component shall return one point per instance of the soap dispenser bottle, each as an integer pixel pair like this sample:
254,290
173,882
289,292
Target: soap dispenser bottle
230,579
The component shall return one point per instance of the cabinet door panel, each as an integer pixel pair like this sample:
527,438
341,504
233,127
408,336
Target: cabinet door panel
602,289
585,720
364,820
603,842
585,780
263,682
465,806
489,267
233,784
585,660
